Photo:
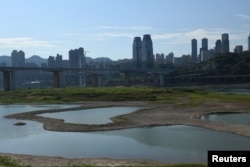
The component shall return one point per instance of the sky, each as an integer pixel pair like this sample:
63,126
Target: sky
106,28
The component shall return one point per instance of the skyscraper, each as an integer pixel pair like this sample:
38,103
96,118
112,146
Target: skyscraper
218,47
194,50
76,58
147,52
137,55
51,62
204,44
225,43
17,58
58,61
249,42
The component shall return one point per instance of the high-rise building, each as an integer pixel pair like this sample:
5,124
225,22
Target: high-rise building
194,50
238,49
59,61
204,44
51,62
170,58
218,47
249,42
76,58
137,55
225,43
17,58
147,52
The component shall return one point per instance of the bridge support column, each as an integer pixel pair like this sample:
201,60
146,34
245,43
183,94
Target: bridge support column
57,83
100,80
161,78
94,80
8,80
158,79
127,78
97,80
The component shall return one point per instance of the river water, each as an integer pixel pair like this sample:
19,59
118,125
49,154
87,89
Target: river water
237,118
91,116
168,143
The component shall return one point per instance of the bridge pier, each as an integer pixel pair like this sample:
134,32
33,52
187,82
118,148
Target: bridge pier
8,80
57,79
97,80
127,78
158,79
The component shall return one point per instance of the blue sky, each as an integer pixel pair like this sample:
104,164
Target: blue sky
106,28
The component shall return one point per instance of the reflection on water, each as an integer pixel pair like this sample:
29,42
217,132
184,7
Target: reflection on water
239,118
170,144
91,116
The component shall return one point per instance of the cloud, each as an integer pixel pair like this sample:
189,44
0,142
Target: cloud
22,42
134,28
243,16
102,36
200,33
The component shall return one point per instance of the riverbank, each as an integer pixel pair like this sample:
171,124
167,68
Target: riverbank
153,114
18,160
162,107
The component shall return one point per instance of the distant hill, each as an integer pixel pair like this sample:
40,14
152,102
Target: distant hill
99,59
5,59
36,59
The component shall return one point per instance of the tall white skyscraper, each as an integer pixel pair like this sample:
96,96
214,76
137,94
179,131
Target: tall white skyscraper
147,52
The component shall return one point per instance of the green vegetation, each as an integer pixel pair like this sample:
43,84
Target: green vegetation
7,162
222,64
179,96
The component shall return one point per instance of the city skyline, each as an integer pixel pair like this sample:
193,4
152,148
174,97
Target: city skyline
107,28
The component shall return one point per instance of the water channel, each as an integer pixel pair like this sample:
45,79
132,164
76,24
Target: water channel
169,143
237,118
91,116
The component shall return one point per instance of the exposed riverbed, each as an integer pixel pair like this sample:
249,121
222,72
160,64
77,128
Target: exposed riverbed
152,142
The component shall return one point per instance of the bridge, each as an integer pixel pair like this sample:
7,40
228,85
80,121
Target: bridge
203,78
8,74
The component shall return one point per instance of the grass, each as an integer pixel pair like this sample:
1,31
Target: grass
7,162
179,96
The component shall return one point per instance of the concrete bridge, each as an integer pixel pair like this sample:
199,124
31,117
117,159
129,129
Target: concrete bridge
9,73
206,79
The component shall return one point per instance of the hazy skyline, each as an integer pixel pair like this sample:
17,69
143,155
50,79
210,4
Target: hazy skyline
106,28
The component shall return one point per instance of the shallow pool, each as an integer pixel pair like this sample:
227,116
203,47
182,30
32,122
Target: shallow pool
239,118
91,116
